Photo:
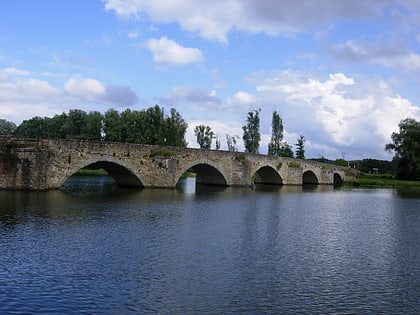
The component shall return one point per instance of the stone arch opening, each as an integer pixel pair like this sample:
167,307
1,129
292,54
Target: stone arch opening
337,180
121,175
309,177
206,174
268,176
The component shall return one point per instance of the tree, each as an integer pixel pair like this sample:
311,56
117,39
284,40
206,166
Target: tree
204,136
406,145
300,150
285,150
112,125
36,127
75,124
55,126
276,135
231,142
154,129
6,127
176,127
92,130
218,143
252,134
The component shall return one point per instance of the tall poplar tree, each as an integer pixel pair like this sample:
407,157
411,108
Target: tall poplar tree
274,147
300,147
251,130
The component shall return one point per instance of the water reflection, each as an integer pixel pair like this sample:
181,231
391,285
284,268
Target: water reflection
195,250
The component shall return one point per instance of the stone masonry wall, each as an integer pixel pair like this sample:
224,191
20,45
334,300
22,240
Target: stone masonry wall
46,164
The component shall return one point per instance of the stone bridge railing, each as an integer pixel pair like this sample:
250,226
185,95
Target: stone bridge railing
28,164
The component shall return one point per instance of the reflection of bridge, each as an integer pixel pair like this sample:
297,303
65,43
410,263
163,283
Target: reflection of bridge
46,164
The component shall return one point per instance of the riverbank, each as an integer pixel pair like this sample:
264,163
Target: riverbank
373,180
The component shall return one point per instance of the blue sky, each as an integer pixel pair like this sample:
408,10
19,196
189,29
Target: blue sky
341,73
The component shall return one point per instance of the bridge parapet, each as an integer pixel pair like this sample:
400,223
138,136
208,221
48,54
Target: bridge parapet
46,164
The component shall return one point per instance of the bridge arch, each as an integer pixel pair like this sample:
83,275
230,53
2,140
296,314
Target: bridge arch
118,170
207,172
337,179
309,177
268,175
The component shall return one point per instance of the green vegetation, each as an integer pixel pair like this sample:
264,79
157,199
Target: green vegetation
162,153
92,172
377,180
6,127
251,130
150,126
240,158
274,147
204,136
300,147
188,174
406,145
294,164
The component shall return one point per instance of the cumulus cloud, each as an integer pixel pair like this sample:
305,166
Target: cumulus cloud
338,111
23,96
169,52
336,114
89,88
214,19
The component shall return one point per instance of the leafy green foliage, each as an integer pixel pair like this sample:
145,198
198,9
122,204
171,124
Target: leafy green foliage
204,136
341,162
240,158
162,153
6,127
285,150
274,147
406,145
251,130
149,126
294,164
300,147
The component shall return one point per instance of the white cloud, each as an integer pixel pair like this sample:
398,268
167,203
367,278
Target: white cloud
16,72
133,35
24,98
168,52
88,88
214,19
339,111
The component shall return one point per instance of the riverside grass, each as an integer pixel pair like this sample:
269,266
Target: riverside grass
379,180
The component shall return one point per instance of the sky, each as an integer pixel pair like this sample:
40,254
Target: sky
341,73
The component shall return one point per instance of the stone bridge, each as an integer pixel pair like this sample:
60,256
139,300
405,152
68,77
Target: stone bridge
29,164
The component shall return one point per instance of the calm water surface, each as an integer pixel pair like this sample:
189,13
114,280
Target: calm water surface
96,249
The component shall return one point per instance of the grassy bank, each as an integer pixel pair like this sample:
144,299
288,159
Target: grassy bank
88,172
372,180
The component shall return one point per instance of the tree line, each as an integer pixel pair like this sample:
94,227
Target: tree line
252,137
149,126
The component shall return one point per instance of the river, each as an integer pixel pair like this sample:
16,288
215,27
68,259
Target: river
94,248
